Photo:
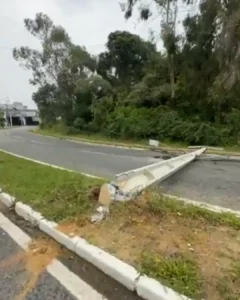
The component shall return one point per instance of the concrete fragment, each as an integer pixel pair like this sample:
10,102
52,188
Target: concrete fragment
106,194
101,213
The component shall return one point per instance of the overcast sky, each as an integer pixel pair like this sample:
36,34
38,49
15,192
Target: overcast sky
88,22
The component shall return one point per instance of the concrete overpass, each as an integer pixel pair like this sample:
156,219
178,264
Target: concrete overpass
17,114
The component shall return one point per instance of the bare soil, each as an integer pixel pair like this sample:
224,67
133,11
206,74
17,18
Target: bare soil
39,255
128,234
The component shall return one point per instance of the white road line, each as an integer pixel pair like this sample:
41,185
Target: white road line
46,164
89,142
36,142
26,140
84,151
114,155
79,288
76,286
20,237
17,137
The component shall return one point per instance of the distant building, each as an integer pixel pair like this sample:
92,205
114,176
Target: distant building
18,114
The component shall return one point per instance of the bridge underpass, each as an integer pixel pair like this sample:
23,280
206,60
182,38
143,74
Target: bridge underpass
17,121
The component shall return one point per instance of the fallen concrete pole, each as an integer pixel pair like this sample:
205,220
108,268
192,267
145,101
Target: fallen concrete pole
129,184
208,147
132,182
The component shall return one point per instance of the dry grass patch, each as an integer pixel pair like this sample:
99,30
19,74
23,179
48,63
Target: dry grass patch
187,248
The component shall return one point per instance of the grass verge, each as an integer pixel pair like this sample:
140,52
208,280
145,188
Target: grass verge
92,138
99,139
190,249
185,247
57,194
177,271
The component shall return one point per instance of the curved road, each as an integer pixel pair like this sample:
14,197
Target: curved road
97,160
217,183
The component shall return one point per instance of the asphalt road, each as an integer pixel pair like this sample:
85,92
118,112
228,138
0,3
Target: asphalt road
92,159
65,277
216,183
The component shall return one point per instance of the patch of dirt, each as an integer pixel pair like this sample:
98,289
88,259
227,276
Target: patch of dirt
39,255
94,194
129,233
12,260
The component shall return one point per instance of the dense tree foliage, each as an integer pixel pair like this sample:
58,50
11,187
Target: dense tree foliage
188,92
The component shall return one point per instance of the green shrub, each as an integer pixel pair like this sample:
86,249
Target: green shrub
161,124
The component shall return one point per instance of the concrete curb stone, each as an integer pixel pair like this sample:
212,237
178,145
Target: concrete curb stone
7,199
109,264
151,289
211,207
120,271
50,228
28,213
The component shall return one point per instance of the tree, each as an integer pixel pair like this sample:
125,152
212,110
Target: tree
168,11
124,62
189,91
56,69
46,64
228,42
46,100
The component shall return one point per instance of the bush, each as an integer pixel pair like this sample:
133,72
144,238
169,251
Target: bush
233,123
162,124
79,123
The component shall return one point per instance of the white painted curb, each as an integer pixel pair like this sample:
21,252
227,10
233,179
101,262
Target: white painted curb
214,208
27,213
120,271
109,264
151,289
49,228
7,199
146,287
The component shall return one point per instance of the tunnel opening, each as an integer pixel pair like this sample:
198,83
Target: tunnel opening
30,121
16,121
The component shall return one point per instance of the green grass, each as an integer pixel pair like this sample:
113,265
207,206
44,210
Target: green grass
92,138
100,139
227,285
159,204
57,194
176,272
